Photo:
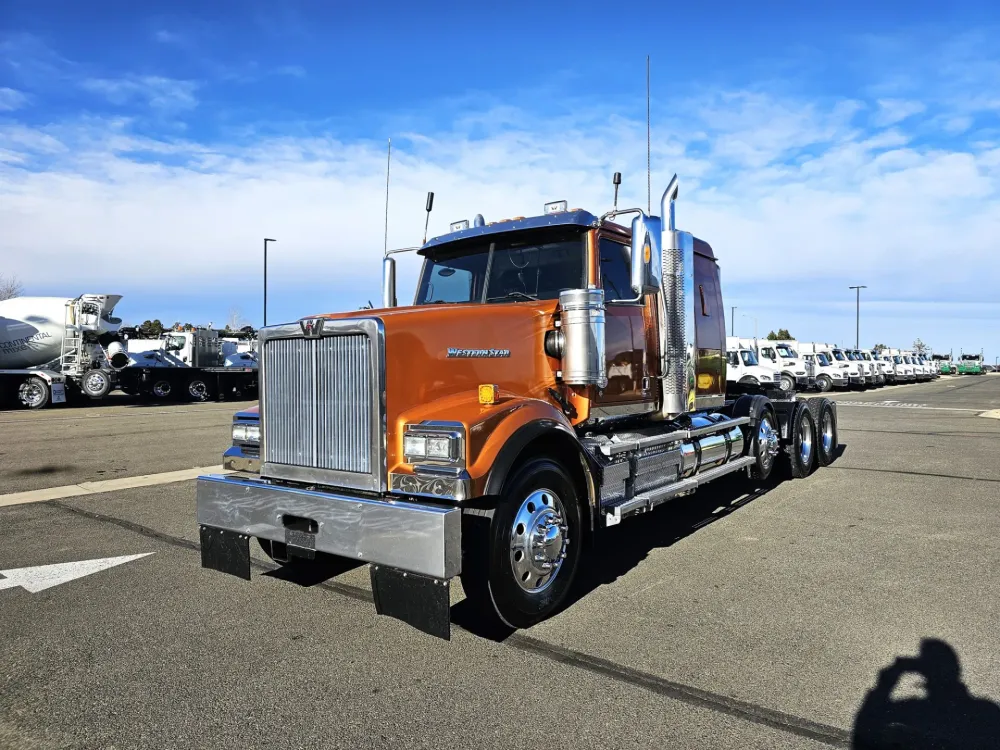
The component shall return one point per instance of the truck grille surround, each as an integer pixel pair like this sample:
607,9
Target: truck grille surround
323,404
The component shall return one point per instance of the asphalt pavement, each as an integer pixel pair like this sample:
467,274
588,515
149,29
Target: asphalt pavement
750,617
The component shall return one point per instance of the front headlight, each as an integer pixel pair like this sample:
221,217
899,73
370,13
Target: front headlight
246,432
428,443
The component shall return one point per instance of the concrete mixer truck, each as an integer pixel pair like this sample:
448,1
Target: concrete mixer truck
53,345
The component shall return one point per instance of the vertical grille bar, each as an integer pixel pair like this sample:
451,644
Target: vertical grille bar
319,403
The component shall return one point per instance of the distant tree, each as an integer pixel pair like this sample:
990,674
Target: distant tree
782,335
879,347
919,347
235,320
151,329
10,287
188,327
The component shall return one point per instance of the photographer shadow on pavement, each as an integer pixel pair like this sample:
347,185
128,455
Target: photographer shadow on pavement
946,717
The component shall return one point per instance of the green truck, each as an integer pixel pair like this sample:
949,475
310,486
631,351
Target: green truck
943,363
970,364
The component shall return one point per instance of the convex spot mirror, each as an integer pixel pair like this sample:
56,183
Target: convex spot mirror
647,255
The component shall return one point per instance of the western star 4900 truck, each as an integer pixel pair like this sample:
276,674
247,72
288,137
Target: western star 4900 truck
554,374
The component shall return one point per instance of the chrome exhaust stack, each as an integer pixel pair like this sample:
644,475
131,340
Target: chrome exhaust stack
675,311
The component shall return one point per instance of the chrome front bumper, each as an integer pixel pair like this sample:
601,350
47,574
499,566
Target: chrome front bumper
423,539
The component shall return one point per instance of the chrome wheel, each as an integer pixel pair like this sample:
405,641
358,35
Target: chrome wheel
197,390
805,441
32,394
161,389
787,384
767,442
827,432
538,540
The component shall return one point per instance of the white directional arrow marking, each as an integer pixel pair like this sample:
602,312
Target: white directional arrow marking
43,577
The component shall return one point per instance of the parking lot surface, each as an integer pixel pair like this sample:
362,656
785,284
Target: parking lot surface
750,617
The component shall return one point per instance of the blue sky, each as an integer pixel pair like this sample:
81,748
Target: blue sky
147,148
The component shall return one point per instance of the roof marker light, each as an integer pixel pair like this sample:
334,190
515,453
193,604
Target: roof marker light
458,226
556,207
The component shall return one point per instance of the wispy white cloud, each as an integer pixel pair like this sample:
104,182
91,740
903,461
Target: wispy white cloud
892,111
167,37
11,99
156,91
296,71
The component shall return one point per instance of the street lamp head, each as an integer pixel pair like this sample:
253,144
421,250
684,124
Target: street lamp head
268,239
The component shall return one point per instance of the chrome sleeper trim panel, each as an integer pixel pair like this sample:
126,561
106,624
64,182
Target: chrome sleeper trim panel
424,539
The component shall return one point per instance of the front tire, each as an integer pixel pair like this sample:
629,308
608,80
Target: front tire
33,393
823,384
787,384
530,555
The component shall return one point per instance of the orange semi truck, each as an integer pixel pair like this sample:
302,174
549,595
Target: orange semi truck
554,375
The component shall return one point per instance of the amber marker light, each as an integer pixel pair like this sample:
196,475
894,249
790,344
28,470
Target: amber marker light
489,394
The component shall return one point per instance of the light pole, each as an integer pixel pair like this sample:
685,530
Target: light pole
732,321
857,318
266,240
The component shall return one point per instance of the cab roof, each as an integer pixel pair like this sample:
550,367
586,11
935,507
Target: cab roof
576,218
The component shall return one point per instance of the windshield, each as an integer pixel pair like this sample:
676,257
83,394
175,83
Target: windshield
523,266
786,352
749,358
897,359
867,356
823,360
838,355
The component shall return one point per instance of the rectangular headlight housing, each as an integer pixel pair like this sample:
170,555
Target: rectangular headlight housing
246,432
433,442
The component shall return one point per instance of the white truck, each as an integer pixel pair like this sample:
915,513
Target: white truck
796,373
867,368
743,369
53,345
195,365
920,371
875,366
854,369
904,370
829,372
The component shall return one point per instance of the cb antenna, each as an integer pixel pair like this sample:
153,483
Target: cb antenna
617,180
388,163
649,176
427,208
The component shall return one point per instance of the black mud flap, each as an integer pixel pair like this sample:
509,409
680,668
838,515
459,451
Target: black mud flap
225,551
420,601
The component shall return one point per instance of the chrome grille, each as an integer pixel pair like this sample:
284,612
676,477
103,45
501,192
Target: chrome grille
321,407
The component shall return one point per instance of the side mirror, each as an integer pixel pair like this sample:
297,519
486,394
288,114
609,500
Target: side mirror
389,281
647,255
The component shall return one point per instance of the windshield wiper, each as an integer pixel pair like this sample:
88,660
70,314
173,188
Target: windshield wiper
513,295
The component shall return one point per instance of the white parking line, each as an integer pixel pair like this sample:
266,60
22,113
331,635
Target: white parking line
106,485
900,405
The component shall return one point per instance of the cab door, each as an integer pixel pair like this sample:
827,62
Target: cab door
624,332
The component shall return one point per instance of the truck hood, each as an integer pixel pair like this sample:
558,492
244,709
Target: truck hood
435,351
